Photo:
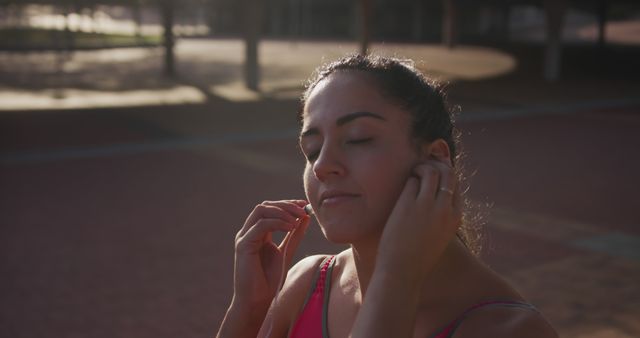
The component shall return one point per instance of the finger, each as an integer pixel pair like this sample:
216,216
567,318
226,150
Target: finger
410,190
447,184
294,207
256,235
293,239
429,176
287,238
300,203
286,211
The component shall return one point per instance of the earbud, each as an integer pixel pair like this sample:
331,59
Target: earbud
308,209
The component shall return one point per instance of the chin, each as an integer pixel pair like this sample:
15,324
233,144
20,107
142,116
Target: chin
345,232
337,238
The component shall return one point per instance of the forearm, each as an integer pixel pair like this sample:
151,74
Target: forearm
242,322
389,306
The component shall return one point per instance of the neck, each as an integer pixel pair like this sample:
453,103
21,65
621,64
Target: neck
454,261
364,258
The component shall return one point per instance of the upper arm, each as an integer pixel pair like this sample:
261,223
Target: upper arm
292,296
506,323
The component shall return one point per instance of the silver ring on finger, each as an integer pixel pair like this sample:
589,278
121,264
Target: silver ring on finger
446,190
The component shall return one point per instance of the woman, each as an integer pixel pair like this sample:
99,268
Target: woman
381,151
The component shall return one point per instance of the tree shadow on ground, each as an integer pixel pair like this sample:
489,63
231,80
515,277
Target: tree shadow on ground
108,70
120,70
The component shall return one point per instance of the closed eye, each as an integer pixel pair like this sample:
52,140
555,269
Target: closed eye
312,156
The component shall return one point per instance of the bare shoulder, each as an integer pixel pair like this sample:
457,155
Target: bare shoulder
505,322
284,310
298,284
301,275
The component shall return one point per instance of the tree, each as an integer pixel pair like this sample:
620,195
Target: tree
253,20
167,11
365,25
602,11
555,11
449,24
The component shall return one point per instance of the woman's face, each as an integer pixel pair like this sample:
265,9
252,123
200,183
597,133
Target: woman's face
359,155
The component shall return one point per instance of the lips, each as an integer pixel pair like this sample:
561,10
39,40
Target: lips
336,196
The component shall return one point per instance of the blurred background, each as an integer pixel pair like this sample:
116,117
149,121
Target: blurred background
136,136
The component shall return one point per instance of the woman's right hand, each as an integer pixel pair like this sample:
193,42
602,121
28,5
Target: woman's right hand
259,261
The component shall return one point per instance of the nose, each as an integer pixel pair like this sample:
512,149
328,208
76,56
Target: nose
328,164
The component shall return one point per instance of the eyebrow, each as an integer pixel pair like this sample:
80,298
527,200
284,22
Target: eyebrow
342,120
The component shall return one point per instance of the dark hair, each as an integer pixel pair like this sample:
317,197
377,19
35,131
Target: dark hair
424,98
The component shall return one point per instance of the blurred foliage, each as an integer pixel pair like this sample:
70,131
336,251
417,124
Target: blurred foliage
41,39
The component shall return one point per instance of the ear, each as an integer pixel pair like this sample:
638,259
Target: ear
437,150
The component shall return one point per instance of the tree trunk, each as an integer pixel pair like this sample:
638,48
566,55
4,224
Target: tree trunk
294,20
449,23
555,13
602,22
506,19
418,16
365,26
137,18
253,15
167,9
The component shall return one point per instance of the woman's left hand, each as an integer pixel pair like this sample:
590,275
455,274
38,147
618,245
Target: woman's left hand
421,225
423,222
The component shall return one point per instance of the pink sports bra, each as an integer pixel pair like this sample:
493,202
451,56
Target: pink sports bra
312,322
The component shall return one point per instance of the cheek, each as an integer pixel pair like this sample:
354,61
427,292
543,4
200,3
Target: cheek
309,182
387,179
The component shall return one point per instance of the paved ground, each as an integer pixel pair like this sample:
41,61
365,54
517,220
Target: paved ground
118,222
